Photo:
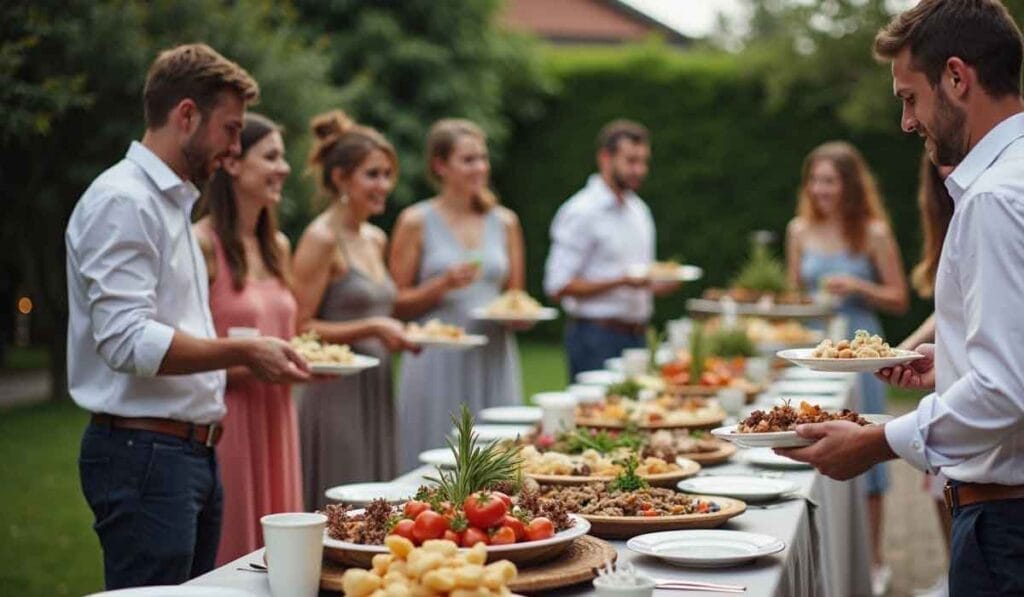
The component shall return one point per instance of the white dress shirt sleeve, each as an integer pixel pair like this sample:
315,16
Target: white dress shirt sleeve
118,258
570,244
978,411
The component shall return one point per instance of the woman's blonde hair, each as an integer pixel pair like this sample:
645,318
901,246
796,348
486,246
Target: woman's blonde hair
859,201
341,143
441,141
936,208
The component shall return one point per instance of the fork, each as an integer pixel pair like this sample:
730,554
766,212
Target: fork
687,585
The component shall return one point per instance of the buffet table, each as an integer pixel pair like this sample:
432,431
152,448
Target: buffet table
825,533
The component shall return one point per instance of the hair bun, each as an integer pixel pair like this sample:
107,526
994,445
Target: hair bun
331,124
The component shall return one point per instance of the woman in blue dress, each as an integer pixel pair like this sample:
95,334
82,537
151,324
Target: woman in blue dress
840,242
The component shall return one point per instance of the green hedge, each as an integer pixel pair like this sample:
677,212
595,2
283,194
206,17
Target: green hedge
724,161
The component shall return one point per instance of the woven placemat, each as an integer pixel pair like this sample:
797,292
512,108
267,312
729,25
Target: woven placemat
574,566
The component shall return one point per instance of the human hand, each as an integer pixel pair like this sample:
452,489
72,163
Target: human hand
635,281
665,288
274,360
842,449
461,275
392,333
915,375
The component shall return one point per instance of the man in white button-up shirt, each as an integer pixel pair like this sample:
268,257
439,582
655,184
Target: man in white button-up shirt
143,356
597,234
956,68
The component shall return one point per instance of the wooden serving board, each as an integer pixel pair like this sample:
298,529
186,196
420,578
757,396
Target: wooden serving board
624,527
574,566
687,469
724,452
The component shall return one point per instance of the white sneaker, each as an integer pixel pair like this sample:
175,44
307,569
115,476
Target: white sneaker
881,578
940,588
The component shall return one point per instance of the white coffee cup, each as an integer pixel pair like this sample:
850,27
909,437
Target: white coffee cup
757,369
635,361
295,547
732,400
240,332
558,411
586,394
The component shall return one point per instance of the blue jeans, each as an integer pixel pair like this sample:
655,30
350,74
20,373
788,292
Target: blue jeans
157,503
987,551
589,344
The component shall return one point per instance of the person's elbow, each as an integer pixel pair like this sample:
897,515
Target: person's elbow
137,348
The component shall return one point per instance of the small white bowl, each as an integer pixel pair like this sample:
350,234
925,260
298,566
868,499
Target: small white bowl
605,588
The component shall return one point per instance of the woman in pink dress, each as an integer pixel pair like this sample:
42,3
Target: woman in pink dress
247,259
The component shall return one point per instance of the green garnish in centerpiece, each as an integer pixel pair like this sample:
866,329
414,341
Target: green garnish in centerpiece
628,480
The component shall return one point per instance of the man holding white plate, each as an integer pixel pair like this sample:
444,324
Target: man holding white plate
956,68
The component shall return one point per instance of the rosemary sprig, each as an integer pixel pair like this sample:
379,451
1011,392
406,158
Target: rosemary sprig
477,466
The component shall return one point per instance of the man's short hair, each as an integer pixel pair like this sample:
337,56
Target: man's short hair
980,32
193,71
616,130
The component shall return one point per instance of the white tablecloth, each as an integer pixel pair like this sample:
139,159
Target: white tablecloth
826,546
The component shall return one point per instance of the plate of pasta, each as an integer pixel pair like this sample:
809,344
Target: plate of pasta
514,306
865,353
325,358
443,335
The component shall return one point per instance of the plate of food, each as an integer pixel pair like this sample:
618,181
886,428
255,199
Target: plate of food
664,412
775,428
514,306
864,354
361,494
745,487
706,548
528,415
697,445
330,359
436,333
558,468
665,271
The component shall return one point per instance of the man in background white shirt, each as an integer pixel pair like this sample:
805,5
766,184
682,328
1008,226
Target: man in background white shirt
956,67
143,356
596,236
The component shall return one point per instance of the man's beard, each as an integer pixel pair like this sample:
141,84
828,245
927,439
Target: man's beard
949,132
622,183
197,159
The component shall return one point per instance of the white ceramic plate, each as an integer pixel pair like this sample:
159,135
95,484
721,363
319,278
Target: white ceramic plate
683,273
527,415
440,457
359,363
580,528
614,364
490,433
600,377
175,591
765,457
463,343
545,314
828,387
361,494
745,487
802,357
705,548
800,374
777,439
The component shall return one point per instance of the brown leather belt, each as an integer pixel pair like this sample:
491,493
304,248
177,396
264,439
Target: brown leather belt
208,435
618,325
965,494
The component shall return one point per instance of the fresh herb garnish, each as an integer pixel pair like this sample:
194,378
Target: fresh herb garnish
629,388
628,480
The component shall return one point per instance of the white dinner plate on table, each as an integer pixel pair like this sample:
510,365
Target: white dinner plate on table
600,377
767,458
175,591
462,343
705,548
361,494
544,314
614,364
777,439
439,457
808,386
527,415
491,433
744,487
804,358
360,362
682,273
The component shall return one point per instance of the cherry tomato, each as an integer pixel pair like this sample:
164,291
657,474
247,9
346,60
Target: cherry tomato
404,529
413,508
429,525
649,513
517,526
452,536
501,496
539,528
473,535
484,509
503,536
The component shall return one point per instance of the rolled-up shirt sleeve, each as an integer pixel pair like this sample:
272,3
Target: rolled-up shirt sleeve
118,259
570,243
982,408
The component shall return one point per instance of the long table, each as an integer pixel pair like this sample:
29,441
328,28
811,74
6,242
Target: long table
826,535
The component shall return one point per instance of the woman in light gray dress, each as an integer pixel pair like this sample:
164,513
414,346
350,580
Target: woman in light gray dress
344,293
451,254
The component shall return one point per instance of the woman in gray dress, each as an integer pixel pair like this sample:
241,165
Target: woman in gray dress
344,293
451,254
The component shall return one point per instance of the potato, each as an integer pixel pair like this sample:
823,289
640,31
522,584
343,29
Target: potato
360,583
381,562
397,590
477,554
421,562
469,576
441,580
399,546
499,573
441,546
399,567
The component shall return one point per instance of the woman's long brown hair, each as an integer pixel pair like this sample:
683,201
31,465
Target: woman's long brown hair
219,202
441,140
936,208
859,203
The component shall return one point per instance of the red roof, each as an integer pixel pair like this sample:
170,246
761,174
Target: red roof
584,21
